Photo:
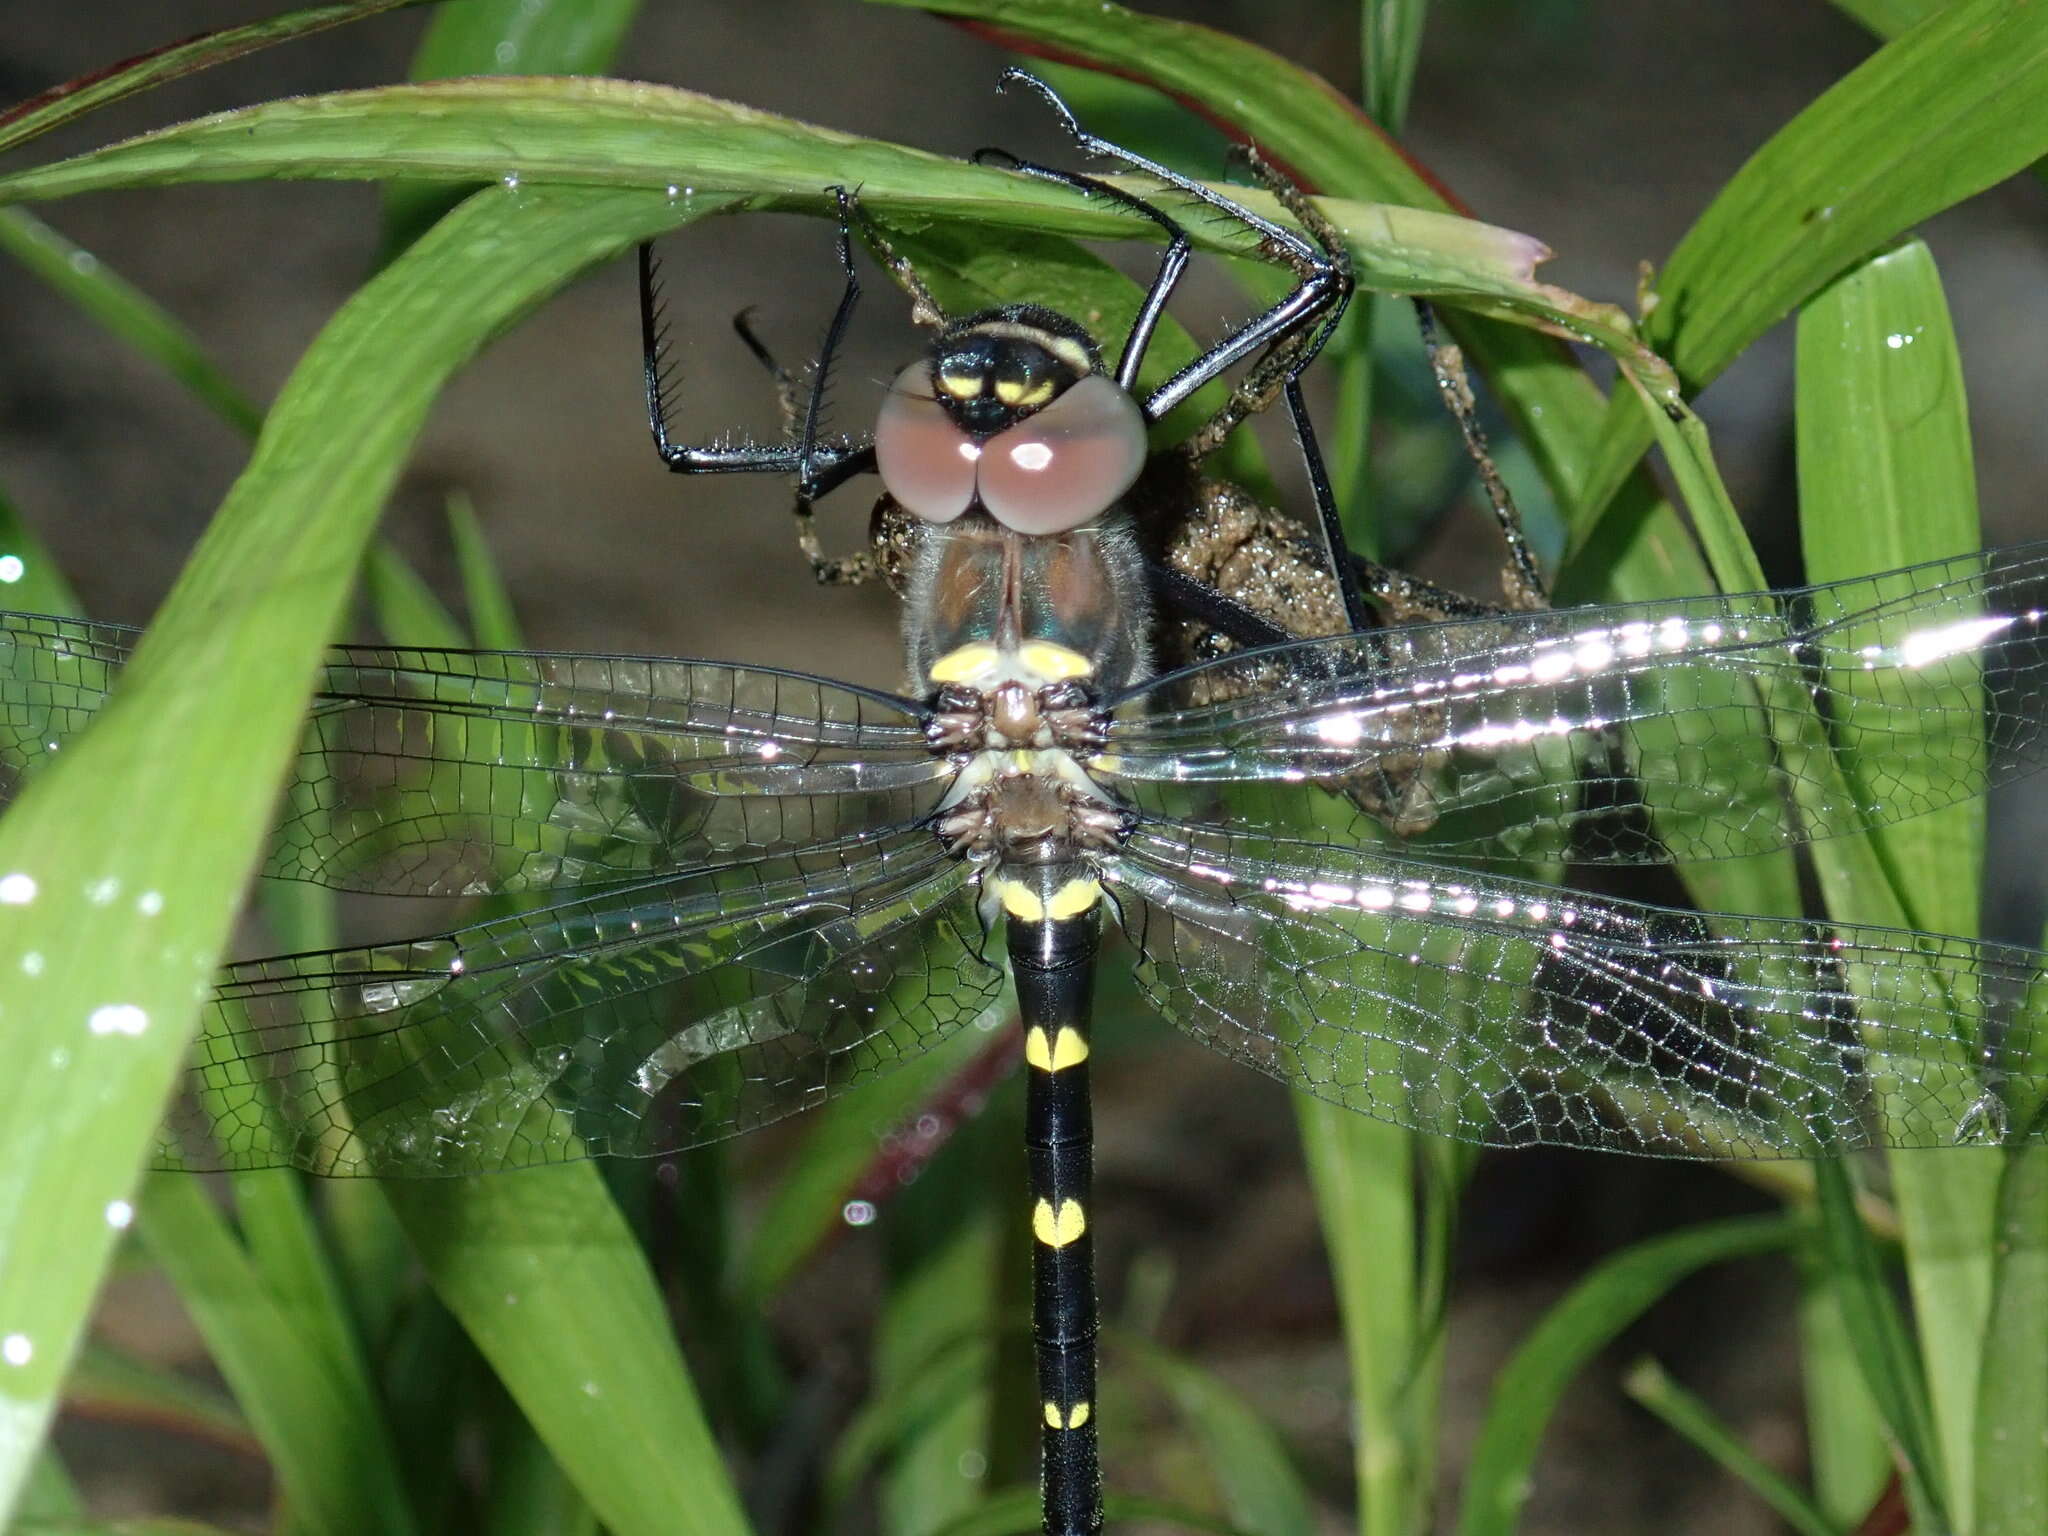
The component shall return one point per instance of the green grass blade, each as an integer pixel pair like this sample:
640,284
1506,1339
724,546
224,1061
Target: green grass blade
2012,1409
1885,480
127,312
492,618
1262,1492
1649,1384
124,883
1389,42
943,1295
1497,1480
1846,1446
405,607
548,1280
75,98
314,1411
28,573
1882,1346
1363,1174
1950,108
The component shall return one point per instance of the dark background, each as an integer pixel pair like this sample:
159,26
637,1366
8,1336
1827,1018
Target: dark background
1603,126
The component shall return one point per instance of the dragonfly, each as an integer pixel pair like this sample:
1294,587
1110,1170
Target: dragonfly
738,891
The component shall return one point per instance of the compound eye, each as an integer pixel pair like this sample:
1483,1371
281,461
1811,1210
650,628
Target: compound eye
1068,463
926,462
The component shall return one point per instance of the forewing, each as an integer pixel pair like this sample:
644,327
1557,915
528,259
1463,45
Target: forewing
1510,1014
438,773
1628,734
632,1023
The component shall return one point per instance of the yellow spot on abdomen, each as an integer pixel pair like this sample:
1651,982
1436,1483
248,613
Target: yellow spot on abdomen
1073,1418
1074,898
1057,1227
1020,901
1068,1049
1055,663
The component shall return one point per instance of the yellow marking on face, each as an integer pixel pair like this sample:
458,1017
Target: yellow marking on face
965,664
1020,901
1073,1418
961,386
1067,1049
1074,898
1021,392
1054,663
1057,1227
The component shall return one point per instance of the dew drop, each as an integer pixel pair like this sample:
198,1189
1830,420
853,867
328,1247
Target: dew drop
17,889
858,1213
12,569
117,1019
119,1214
17,1349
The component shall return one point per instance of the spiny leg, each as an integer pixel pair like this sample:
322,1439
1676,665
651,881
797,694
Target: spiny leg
831,571
1322,289
1171,264
819,464
1522,579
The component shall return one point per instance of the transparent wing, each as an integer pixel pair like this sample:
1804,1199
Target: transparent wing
1627,734
436,773
54,676
633,1023
1508,1014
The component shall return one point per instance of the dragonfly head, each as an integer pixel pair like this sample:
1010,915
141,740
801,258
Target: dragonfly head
1011,412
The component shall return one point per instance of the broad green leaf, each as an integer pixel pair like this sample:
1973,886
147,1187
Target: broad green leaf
1649,1384
502,37
548,1280
614,133
1886,480
2012,1404
1953,106
119,904
1599,1307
